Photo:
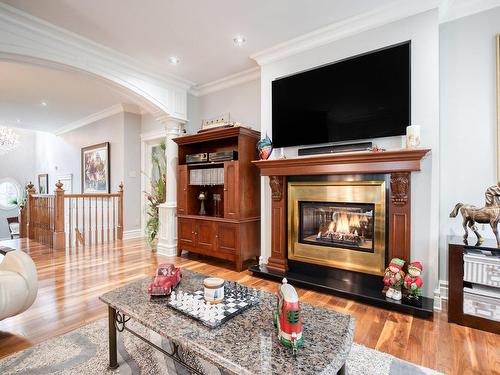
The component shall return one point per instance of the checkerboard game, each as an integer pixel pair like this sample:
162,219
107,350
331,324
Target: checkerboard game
237,298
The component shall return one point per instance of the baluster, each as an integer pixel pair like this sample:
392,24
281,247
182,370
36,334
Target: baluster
90,221
107,203
96,226
120,212
77,229
83,220
102,221
70,220
114,219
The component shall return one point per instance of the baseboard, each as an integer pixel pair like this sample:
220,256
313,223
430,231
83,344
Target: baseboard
131,234
443,289
440,294
166,250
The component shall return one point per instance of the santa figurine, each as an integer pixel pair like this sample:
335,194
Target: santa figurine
413,283
393,278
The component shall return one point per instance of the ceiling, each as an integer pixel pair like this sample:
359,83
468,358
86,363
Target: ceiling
70,96
199,32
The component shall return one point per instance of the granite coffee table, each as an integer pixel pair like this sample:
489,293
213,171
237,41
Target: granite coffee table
246,344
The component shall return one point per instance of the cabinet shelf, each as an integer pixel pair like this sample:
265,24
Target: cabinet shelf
235,235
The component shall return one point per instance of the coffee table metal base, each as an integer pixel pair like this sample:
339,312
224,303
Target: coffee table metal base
117,322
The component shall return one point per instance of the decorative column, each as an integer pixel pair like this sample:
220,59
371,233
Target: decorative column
167,235
59,237
31,213
119,228
400,217
278,260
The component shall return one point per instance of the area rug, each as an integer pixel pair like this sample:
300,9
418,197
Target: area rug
85,351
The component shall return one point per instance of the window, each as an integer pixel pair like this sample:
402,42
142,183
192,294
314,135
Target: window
10,193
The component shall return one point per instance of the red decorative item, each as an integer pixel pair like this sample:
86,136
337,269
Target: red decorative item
413,282
166,279
288,318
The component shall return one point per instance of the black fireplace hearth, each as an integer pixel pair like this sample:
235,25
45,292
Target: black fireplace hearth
357,286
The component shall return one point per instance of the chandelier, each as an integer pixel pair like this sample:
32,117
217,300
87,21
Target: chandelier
9,140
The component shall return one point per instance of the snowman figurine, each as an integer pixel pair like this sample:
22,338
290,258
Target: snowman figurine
393,278
413,283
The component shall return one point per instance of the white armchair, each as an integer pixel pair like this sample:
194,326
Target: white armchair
18,283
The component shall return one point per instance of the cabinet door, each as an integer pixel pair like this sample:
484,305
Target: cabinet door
186,228
182,184
205,235
228,237
231,184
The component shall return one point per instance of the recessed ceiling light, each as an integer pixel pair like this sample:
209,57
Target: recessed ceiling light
239,40
43,103
174,60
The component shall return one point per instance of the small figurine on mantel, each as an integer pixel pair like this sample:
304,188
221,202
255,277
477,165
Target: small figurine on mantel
413,283
393,278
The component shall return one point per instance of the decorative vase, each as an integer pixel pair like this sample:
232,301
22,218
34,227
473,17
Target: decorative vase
265,148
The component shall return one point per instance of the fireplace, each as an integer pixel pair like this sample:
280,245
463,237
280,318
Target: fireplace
346,225
376,183
338,224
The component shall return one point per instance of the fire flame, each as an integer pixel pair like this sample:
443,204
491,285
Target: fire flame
343,223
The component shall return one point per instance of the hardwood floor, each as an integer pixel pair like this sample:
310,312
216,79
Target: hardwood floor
70,283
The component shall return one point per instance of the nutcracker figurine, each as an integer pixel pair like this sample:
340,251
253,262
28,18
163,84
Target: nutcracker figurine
413,282
287,318
393,278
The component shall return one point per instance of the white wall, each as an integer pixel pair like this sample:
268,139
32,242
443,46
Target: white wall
468,118
132,195
194,120
58,155
422,30
61,155
241,101
18,164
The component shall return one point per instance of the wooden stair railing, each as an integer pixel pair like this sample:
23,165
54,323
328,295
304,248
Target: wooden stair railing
61,220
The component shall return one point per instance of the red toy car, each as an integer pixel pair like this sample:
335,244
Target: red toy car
166,279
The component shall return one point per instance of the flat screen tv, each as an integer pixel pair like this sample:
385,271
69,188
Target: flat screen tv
363,97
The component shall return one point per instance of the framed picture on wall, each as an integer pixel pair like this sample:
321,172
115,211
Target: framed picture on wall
96,169
43,183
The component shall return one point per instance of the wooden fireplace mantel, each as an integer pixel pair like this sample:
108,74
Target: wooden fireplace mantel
398,163
404,160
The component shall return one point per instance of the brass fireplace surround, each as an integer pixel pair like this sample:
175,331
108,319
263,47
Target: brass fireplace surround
339,192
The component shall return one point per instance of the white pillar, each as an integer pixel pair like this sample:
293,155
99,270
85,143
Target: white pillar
167,235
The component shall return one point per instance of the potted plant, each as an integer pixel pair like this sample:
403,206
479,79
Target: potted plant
156,195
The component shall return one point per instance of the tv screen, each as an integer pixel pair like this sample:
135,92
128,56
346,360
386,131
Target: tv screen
366,96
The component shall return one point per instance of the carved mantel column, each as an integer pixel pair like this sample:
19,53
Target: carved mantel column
399,216
167,235
278,260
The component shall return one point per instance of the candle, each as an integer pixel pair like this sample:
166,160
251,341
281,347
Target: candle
412,136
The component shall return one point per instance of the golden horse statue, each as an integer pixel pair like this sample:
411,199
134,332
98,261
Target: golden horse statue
489,214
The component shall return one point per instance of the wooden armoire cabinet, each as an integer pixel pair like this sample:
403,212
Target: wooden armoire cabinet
233,231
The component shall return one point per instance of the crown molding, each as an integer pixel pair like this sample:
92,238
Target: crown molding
105,113
451,10
26,20
226,82
25,37
354,25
